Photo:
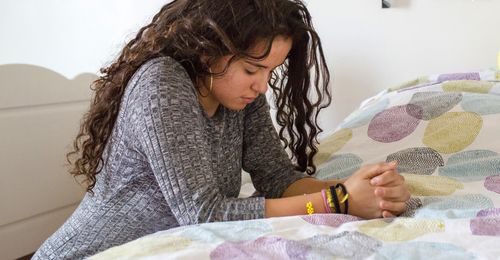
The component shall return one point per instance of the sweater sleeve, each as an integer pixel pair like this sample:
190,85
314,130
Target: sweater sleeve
170,129
263,155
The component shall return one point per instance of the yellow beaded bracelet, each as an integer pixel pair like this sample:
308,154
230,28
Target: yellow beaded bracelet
310,208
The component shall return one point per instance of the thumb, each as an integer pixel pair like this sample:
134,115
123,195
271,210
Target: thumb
377,169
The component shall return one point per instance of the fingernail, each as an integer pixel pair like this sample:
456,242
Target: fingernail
379,192
375,181
393,163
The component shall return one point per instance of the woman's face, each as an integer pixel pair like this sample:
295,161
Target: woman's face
244,79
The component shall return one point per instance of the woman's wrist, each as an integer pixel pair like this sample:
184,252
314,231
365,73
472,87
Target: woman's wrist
334,182
344,200
336,199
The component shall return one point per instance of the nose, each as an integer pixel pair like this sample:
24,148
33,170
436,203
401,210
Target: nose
260,85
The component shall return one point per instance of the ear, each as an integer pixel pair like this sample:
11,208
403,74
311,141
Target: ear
218,64
208,61
204,59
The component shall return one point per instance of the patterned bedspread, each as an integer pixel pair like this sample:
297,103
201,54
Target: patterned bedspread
444,130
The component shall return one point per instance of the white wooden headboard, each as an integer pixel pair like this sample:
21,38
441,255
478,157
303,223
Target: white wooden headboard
40,111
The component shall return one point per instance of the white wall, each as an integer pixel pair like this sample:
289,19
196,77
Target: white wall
69,37
370,48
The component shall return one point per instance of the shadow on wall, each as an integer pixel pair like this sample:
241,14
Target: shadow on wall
396,3
40,111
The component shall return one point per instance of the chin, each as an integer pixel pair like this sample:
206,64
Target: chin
235,107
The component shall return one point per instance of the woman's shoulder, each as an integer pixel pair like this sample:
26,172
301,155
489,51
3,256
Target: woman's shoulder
161,74
165,67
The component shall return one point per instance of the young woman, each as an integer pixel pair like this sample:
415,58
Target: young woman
182,111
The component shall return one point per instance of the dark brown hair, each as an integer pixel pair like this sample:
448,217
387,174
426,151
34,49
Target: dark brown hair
186,30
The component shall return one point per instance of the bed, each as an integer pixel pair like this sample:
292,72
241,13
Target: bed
444,130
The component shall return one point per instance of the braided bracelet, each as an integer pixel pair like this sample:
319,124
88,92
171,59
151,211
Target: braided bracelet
335,199
344,200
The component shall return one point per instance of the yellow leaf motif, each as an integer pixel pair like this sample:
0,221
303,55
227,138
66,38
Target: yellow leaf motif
467,86
429,185
332,144
401,229
452,132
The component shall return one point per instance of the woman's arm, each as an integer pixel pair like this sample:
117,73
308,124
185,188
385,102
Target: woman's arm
294,205
309,185
264,157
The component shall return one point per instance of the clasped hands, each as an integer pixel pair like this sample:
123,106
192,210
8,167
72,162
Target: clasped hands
377,190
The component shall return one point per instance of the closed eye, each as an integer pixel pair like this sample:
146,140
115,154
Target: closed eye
249,72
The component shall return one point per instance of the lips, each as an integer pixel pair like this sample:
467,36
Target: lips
248,100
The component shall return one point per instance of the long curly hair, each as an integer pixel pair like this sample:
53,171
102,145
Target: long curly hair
188,30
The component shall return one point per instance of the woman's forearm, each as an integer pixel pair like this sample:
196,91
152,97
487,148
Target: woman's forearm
308,186
295,205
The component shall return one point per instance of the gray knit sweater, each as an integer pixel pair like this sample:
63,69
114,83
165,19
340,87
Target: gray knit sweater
168,164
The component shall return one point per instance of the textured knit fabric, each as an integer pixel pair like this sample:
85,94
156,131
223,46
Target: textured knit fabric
168,164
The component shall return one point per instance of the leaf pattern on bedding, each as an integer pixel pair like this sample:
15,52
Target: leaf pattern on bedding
347,245
481,104
459,76
400,229
422,185
332,145
412,205
146,246
492,183
433,103
339,166
487,223
474,165
417,160
457,206
262,248
229,231
423,250
411,83
352,245
317,219
394,124
468,86
452,132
